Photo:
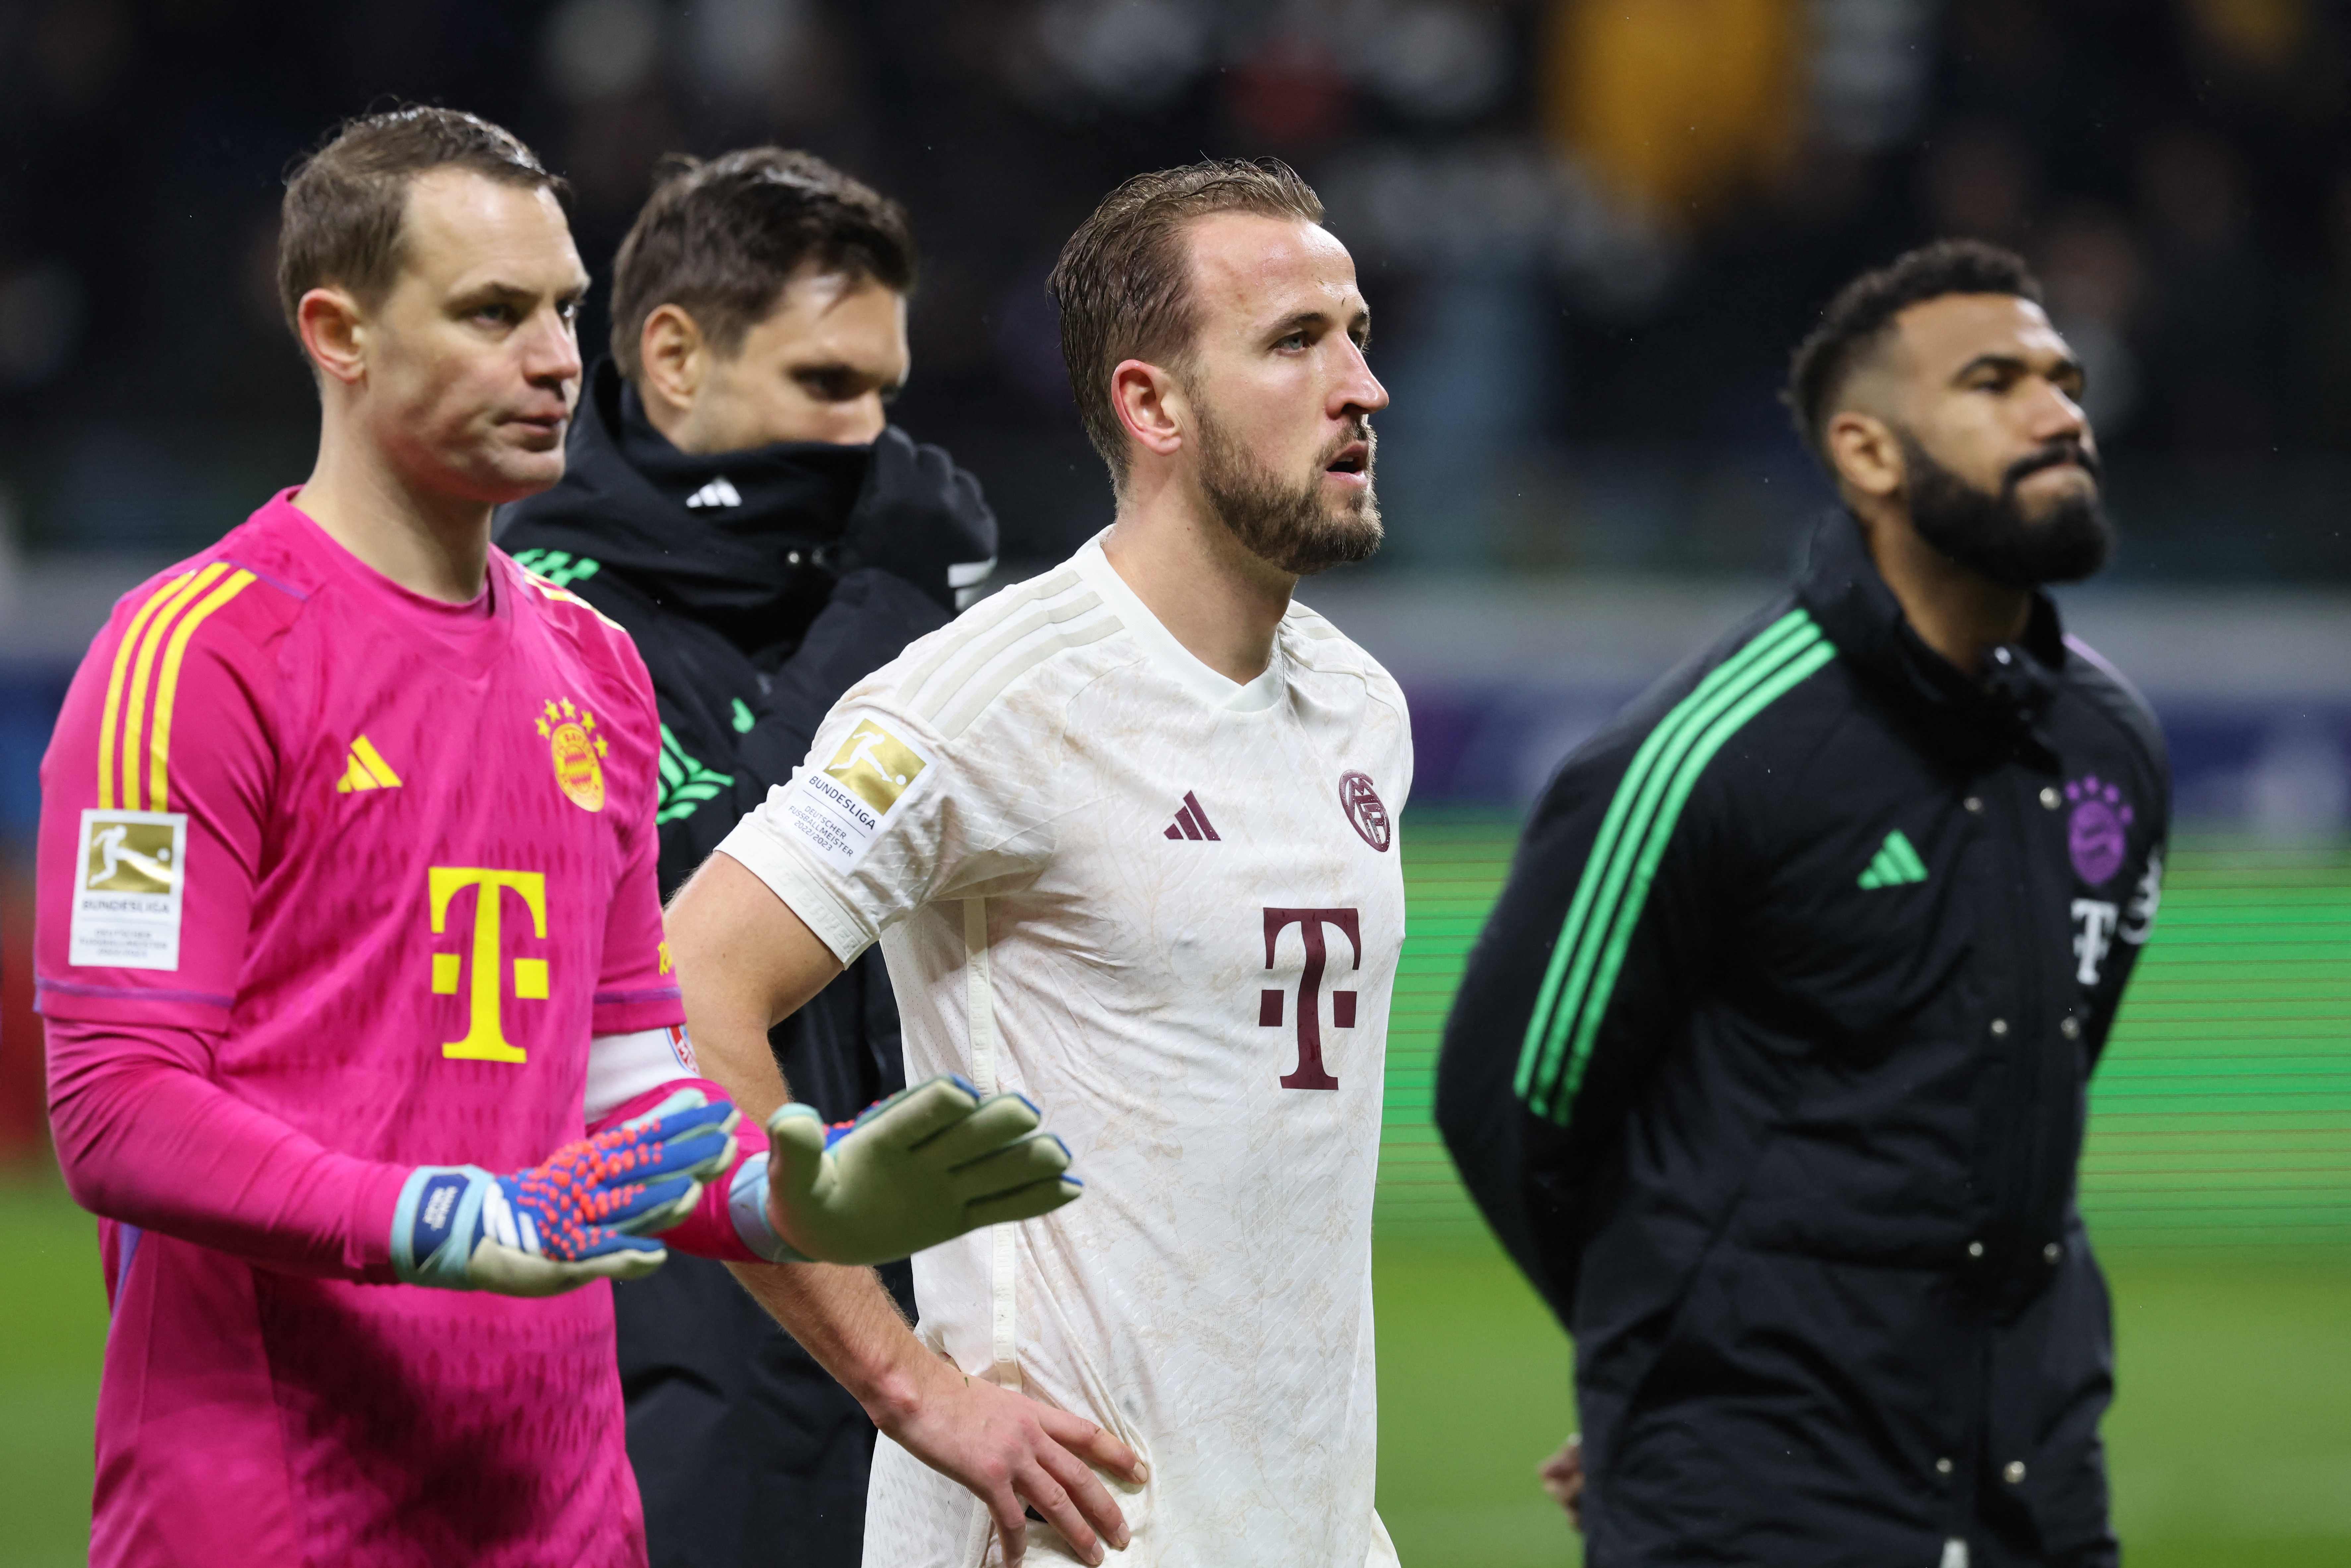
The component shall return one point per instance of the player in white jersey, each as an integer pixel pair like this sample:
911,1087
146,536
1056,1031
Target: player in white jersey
1126,835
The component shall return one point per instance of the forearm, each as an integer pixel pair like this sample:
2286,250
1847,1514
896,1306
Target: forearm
145,1138
846,1320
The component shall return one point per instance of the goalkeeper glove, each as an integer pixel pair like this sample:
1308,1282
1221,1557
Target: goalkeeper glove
916,1169
583,1215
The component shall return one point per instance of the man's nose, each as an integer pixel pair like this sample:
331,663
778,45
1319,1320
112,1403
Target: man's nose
551,355
2056,416
1357,388
860,423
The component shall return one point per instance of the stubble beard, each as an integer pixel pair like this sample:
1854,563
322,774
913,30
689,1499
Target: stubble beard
1287,525
1989,532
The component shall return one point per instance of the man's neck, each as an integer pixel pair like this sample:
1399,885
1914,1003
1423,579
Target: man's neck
431,544
1958,611
1222,603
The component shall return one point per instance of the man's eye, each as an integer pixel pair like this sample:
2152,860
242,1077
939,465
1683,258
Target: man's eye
502,314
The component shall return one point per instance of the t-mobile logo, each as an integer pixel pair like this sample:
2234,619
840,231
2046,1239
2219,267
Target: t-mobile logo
1311,923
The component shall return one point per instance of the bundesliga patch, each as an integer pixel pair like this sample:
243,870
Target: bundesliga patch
126,908
840,808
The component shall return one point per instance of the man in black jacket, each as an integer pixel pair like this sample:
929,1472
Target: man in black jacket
734,498
1770,1066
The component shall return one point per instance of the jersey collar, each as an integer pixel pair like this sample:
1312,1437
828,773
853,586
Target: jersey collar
1211,688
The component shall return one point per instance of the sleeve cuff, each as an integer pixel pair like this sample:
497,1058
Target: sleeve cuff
628,1012
836,924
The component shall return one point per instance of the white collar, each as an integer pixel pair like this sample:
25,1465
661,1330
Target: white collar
1212,686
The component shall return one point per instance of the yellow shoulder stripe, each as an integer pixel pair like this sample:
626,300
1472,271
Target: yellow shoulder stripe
160,747
163,627
106,719
142,670
551,590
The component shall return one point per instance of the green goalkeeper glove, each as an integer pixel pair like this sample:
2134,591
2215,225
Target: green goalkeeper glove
921,1167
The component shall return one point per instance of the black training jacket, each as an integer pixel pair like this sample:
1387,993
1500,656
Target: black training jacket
1770,1068
759,586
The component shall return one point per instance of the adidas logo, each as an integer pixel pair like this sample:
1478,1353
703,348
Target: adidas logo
1895,863
366,770
717,493
1191,823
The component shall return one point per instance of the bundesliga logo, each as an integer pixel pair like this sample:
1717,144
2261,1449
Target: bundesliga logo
875,766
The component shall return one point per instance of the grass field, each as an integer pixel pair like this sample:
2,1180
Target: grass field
2217,1185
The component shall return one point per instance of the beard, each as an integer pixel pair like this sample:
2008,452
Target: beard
1288,524
1989,531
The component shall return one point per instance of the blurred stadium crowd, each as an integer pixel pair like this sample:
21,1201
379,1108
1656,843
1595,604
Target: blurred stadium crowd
1590,230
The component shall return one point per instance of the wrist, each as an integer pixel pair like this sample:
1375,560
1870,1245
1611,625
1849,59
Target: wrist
907,1379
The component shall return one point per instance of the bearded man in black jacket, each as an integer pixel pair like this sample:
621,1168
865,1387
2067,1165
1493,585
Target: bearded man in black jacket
1771,1065
735,498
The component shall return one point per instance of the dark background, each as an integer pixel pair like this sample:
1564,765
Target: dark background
1590,231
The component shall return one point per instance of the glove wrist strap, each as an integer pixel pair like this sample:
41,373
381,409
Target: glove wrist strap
436,1223
746,1206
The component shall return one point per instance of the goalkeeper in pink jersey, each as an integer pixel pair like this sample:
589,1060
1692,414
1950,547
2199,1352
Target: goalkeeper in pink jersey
360,1023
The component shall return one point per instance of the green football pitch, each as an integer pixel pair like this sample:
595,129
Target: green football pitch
2217,1185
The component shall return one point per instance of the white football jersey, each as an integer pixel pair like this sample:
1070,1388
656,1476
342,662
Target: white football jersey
1168,909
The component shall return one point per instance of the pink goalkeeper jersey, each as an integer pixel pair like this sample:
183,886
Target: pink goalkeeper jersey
393,860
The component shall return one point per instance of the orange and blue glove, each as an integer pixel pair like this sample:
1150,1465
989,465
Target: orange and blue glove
588,1212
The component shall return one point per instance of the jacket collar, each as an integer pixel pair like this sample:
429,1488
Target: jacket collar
1972,721
721,535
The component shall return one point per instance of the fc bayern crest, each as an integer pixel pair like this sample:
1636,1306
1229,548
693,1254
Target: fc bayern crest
2097,830
574,745
1364,813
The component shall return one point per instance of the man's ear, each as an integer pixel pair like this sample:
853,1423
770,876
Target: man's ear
1150,405
673,356
334,332
1865,453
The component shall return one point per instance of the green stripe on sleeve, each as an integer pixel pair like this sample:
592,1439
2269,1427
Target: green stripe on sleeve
1663,738
1617,878
1653,851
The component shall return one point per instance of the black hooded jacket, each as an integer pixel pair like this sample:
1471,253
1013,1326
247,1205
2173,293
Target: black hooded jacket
759,586
1771,1069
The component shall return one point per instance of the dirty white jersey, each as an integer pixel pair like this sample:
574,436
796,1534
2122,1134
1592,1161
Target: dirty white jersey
1167,908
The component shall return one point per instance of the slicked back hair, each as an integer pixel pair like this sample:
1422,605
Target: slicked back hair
1123,282
342,221
1856,322
719,239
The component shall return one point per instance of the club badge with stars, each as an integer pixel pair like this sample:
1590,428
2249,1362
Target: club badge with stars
572,741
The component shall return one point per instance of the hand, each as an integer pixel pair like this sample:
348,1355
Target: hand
584,1214
1563,1477
1014,1454
922,519
922,1167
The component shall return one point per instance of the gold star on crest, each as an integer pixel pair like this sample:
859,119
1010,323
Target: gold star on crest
601,749
542,729
569,711
550,712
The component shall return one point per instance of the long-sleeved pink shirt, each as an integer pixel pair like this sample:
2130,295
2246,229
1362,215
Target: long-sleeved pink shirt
336,881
